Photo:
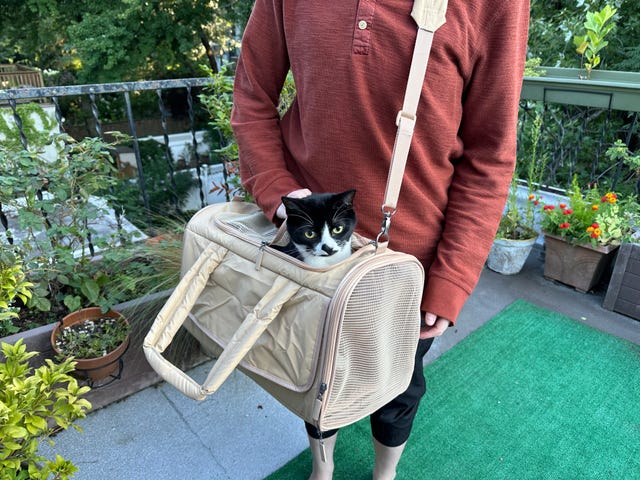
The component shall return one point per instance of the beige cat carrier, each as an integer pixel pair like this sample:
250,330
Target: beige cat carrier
332,345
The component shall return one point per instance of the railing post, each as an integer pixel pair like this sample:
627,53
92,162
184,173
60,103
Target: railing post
195,144
167,149
136,151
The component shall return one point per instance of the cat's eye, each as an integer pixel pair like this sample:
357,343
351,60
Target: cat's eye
310,234
337,230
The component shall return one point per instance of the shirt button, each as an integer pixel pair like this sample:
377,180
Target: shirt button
362,24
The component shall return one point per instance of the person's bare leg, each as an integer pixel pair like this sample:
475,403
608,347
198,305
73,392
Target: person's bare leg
387,459
322,465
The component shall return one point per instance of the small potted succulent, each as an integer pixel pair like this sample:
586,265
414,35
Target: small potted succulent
96,340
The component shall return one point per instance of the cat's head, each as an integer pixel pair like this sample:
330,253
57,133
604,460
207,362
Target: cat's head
321,225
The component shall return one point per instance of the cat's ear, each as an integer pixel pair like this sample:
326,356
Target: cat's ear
347,197
290,203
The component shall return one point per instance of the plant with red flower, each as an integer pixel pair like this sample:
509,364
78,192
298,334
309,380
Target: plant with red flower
592,218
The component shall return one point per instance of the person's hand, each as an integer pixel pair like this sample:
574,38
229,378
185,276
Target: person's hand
303,192
434,326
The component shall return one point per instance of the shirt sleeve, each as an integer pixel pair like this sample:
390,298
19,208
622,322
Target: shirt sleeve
483,173
260,75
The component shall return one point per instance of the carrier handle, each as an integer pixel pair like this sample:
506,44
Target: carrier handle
175,311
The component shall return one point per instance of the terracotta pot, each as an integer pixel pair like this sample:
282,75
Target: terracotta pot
580,266
95,369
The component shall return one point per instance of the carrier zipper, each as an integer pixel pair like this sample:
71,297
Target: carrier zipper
261,247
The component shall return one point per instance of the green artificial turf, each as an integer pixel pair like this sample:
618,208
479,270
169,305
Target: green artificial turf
530,395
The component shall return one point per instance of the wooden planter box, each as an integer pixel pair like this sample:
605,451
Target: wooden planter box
606,89
580,266
623,294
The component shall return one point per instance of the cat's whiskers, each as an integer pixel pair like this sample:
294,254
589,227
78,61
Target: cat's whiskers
303,215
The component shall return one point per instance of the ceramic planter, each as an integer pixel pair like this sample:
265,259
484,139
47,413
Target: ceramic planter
623,294
508,256
580,266
94,369
606,89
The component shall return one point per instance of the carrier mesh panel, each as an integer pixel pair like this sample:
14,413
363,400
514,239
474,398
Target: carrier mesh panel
377,340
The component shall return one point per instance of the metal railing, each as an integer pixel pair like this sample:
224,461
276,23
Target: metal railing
581,119
12,97
572,132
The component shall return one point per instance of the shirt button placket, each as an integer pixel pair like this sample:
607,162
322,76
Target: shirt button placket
362,33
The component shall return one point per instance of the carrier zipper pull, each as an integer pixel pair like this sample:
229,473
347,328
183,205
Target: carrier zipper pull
323,453
260,255
316,415
318,402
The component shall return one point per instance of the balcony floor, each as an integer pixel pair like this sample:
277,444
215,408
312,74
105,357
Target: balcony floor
241,433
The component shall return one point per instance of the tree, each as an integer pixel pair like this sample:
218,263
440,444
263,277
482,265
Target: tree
32,32
123,39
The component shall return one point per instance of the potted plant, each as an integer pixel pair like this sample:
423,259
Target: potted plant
96,340
597,26
34,403
516,233
581,235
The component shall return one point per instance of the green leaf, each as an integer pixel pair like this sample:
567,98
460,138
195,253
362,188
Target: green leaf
40,303
72,302
14,431
90,289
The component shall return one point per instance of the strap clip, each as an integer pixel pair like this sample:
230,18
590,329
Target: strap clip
386,224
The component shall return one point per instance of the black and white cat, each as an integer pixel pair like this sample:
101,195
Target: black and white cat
320,227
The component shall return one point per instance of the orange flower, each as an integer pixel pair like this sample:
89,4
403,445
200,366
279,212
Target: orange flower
594,207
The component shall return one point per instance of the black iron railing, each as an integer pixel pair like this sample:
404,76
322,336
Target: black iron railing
571,132
12,98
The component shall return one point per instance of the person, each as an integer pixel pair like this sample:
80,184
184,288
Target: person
350,62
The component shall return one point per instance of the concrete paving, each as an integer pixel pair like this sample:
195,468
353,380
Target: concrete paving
240,433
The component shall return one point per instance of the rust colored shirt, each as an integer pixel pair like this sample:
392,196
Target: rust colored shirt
350,61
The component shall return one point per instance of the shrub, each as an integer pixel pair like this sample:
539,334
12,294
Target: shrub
30,402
